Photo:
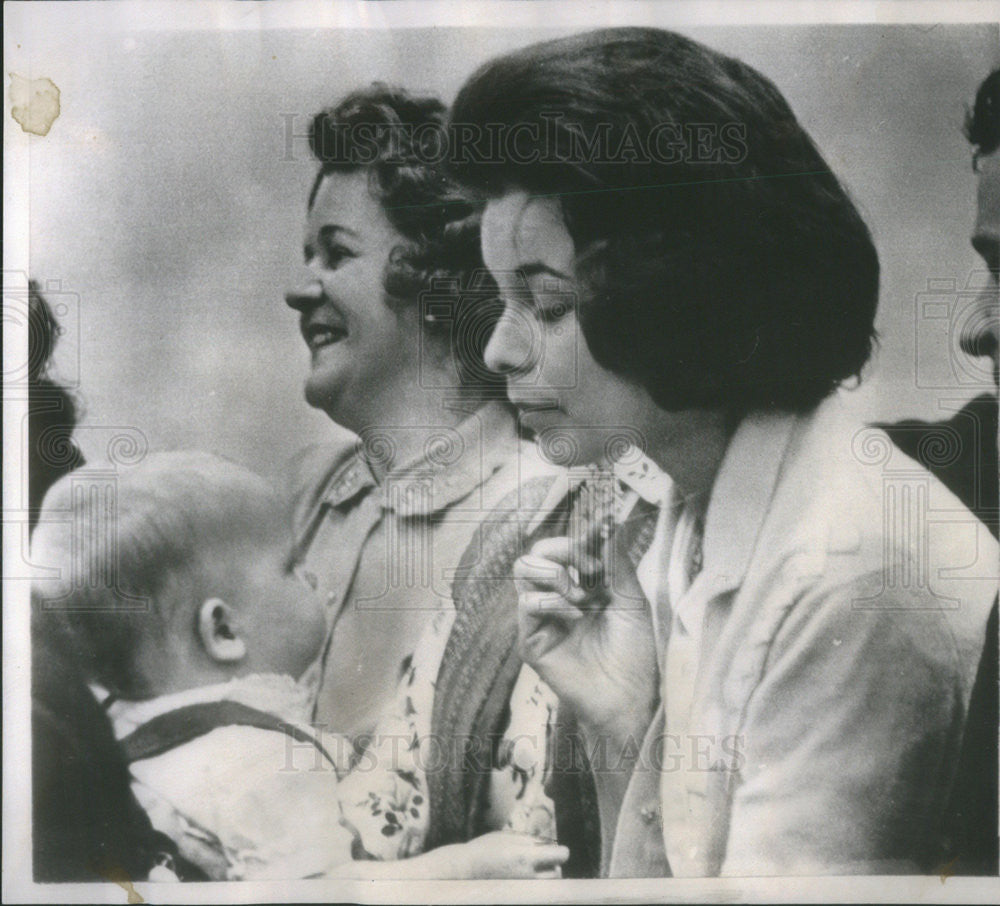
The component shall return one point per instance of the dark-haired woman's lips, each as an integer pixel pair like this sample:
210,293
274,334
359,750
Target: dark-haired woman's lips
529,407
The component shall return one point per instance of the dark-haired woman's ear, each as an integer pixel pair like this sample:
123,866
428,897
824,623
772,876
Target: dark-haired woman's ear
218,633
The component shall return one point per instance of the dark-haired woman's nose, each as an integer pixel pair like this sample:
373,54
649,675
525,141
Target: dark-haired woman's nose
514,345
304,297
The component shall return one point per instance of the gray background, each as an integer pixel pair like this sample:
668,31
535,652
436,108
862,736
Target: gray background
166,218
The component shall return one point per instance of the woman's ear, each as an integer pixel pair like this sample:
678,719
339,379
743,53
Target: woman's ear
218,634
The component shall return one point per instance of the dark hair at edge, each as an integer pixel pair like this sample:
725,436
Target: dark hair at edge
52,410
746,283
380,129
982,122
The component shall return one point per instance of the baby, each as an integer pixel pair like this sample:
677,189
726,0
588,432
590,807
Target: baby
173,584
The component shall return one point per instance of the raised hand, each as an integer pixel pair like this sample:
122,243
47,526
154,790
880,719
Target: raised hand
586,627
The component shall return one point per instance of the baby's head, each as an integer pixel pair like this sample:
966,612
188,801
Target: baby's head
173,575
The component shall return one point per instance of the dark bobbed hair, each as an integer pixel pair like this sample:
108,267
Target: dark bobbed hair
393,135
745,282
982,122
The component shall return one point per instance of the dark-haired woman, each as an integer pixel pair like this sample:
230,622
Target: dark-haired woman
790,697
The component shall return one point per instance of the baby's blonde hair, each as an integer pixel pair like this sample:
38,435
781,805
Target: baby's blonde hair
131,552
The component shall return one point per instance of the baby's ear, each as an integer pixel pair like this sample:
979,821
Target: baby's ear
218,632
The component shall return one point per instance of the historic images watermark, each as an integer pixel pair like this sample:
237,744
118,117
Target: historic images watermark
577,753
554,140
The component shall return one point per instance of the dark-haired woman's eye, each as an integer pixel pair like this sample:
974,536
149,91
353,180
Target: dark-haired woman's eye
552,309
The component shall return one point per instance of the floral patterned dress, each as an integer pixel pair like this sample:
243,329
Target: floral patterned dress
384,795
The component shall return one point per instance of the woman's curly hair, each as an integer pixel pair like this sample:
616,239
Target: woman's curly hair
397,138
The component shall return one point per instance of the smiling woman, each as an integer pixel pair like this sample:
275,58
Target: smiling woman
395,322
385,228
364,351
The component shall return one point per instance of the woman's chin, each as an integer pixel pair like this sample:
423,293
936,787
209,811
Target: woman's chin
323,391
569,445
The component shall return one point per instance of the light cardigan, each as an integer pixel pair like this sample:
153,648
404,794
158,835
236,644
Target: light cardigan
842,606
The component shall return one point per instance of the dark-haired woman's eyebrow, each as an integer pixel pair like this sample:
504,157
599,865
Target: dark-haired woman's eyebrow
534,268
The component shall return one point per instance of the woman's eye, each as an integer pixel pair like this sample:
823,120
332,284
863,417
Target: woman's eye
553,309
335,255
546,306
551,299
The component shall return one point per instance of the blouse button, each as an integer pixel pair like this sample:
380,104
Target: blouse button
524,757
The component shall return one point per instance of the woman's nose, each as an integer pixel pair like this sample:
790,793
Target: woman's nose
306,296
514,345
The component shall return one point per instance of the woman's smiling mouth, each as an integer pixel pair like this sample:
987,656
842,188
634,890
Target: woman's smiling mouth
319,336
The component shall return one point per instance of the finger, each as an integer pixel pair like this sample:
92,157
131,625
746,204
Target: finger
548,874
585,569
549,855
559,549
540,629
532,571
540,605
540,614
535,574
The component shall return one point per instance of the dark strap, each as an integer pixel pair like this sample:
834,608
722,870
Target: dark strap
571,783
477,676
478,670
475,682
174,728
